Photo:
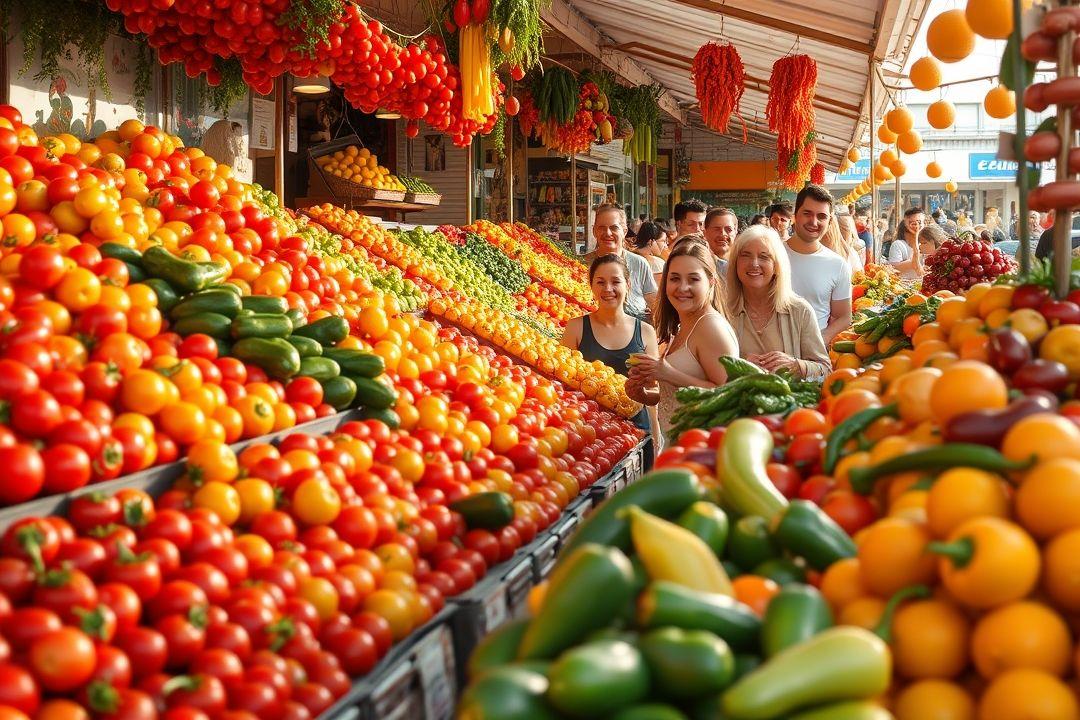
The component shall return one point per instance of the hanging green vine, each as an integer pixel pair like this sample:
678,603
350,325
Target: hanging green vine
145,63
311,19
522,19
221,97
51,30
498,135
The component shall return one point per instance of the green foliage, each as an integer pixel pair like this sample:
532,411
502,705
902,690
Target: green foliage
523,19
311,19
223,96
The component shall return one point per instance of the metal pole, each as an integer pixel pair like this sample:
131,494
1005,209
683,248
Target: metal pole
470,159
898,204
1063,217
573,204
279,137
876,245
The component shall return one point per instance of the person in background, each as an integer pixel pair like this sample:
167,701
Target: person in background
780,216
690,217
862,227
963,222
651,244
759,219
721,227
856,250
1045,247
903,252
776,328
818,275
608,334
635,225
669,228
609,228
931,238
691,327
994,225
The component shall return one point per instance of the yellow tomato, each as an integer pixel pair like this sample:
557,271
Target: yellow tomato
221,499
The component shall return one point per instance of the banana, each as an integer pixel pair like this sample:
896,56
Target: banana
672,553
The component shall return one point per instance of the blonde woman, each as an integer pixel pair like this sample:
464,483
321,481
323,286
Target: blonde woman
776,329
843,239
691,327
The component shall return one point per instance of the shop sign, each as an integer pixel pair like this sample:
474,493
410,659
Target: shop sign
987,165
855,173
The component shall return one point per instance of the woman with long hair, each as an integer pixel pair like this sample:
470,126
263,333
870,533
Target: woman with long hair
609,334
855,246
903,253
835,240
690,324
776,329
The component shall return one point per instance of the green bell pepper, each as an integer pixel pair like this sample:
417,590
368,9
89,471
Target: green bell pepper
797,613
740,462
687,664
804,530
750,543
709,522
585,591
841,663
507,693
782,570
666,604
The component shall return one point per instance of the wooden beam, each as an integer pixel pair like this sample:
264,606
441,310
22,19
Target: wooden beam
749,16
566,20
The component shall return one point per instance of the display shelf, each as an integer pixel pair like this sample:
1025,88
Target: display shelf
156,480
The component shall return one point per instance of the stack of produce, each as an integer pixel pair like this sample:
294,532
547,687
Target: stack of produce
498,267
876,286
550,303
962,262
417,186
465,275
565,116
361,166
640,618
879,334
749,391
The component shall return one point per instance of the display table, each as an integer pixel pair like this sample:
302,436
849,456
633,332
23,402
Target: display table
384,209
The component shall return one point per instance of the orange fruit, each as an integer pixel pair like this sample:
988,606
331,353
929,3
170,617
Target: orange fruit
949,37
1000,102
941,115
966,386
925,74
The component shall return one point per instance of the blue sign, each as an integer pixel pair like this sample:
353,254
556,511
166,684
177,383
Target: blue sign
987,165
854,173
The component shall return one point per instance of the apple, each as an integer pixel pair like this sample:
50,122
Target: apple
1008,350
1060,312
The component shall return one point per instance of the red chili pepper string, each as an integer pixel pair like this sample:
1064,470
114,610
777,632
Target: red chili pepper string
790,113
719,81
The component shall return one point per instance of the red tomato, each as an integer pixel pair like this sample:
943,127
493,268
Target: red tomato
806,451
816,488
145,647
18,689
63,659
851,511
141,573
124,603
786,478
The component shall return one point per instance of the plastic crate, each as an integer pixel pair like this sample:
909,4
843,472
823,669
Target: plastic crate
544,556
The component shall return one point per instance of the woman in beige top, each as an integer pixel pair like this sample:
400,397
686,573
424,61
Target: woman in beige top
776,328
691,326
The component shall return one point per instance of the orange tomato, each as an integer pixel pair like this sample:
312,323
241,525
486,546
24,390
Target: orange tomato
892,555
220,498
1043,436
257,415
183,421
209,460
755,592
78,290
849,402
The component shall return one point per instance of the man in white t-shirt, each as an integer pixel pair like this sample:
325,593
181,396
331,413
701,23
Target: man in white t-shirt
609,230
818,275
721,227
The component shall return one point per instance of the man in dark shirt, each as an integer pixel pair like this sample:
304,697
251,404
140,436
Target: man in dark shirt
1045,248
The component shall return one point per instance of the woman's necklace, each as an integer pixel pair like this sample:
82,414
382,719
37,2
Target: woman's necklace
759,320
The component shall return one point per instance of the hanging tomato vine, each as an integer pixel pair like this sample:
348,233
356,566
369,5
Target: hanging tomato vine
790,112
719,81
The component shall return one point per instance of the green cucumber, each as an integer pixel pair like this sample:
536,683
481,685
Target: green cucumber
356,362
386,416
598,678
666,604
709,522
275,356
234,289
120,252
328,331
507,693
320,368
486,510
298,317
338,392
305,346
497,648
797,613
167,297
214,300
213,324
261,325
264,304
182,274
687,664
374,394
135,272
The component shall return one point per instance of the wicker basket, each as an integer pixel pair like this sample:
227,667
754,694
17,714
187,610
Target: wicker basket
423,198
347,190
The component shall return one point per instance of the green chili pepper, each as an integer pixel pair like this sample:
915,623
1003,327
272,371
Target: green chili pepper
708,522
746,488
901,344
782,571
850,428
940,457
803,529
797,613
841,663
737,367
884,627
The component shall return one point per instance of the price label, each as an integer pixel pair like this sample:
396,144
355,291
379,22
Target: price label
435,666
633,467
496,610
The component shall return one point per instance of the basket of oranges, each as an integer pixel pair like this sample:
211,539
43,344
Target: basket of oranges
353,173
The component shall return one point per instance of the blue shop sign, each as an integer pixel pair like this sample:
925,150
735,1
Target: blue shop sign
855,173
987,165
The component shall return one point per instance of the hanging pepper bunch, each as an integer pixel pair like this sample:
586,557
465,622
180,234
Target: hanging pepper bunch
817,173
790,112
719,81
591,122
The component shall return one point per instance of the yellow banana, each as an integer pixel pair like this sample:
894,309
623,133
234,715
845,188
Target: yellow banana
672,553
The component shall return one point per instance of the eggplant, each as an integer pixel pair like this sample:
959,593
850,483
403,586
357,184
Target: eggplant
1043,374
988,427
1008,350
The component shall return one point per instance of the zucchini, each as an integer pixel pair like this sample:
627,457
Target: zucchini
121,252
135,272
264,304
386,416
356,362
306,346
298,317
320,368
183,274
214,300
224,347
235,289
213,324
263,325
486,510
328,331
339,392
275,356
167,297
374,394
